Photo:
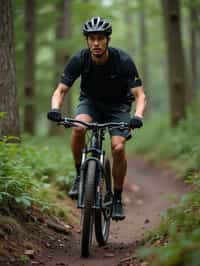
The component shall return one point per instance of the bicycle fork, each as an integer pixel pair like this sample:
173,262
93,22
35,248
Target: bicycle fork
97,189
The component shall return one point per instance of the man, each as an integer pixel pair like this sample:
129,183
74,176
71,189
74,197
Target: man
109,84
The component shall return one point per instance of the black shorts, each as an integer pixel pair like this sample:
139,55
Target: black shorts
102,113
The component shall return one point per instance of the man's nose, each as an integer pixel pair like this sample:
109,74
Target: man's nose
96,42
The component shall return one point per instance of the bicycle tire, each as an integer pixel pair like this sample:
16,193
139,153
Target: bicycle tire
88,211
102,223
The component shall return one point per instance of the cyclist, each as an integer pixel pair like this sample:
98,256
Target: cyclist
109,84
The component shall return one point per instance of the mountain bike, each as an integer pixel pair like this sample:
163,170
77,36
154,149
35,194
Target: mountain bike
95,197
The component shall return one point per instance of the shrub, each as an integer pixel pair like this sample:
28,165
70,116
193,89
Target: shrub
26,172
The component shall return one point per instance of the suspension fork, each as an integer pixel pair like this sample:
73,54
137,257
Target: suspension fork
82,179
97,155
98,197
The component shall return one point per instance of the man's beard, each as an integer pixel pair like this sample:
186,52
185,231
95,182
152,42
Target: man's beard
102,54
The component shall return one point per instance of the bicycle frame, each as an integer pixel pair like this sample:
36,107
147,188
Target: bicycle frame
93,152
97,155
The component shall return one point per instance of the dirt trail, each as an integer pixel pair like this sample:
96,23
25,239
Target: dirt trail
148,191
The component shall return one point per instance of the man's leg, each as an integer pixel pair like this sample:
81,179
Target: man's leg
77,144
119,169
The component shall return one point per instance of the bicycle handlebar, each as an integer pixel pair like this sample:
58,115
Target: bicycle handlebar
69,122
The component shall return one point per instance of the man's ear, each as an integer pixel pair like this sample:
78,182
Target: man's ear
109,39
86,39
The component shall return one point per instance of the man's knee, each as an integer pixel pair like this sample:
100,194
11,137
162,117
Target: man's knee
118,149
78,131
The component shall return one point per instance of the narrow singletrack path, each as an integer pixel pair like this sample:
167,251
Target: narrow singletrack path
148,191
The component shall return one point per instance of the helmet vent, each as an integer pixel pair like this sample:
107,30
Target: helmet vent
106,25
97,24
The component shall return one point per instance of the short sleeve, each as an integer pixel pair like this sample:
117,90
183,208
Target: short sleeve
131,74
71,71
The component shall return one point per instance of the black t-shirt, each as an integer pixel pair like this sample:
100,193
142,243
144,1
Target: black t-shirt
110,82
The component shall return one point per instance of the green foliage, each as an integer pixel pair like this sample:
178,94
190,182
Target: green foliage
24,259
180,235
26,172
153,138
176,242
64,182
2,115
181,144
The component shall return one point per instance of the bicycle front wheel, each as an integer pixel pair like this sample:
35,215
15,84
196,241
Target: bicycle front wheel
103,215
88,211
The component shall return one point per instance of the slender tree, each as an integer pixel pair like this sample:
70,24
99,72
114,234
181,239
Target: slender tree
176,65
128,19
8,92
29,90
63,33
193,45
143,44
61,54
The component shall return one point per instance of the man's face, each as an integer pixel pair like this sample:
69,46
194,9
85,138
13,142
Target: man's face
97,44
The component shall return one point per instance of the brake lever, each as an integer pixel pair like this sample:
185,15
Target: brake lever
70,124
66,124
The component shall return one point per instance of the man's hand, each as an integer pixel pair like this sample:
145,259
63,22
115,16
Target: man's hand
54,115
136,122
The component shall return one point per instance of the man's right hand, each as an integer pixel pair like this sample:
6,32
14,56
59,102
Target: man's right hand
54,115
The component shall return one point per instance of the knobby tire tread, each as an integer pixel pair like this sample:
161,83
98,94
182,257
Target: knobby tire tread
101,236
88,212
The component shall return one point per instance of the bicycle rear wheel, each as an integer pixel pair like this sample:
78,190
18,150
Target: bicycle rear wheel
88,211
103,215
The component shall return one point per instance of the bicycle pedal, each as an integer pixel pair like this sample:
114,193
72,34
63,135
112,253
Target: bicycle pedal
73,197
117,219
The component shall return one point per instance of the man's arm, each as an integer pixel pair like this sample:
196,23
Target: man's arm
71,72
57,101
59,95
140,99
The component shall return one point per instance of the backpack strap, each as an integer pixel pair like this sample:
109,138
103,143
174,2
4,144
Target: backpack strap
85,60
115,61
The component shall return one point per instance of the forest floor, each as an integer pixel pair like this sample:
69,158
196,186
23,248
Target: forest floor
148,191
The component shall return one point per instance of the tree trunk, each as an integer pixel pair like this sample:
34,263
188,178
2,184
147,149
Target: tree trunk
193,47
62,56
128,18
63,33
8,92
176,64
29,90
143,46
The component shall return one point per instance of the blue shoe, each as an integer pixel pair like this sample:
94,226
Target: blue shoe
73,192
118,211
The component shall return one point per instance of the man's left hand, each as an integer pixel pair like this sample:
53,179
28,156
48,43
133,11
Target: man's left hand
136,122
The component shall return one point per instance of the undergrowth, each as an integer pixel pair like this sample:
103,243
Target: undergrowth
28,170
177,241
180,145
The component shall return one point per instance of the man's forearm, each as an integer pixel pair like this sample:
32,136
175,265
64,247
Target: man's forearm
141,101
140,106
58,96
